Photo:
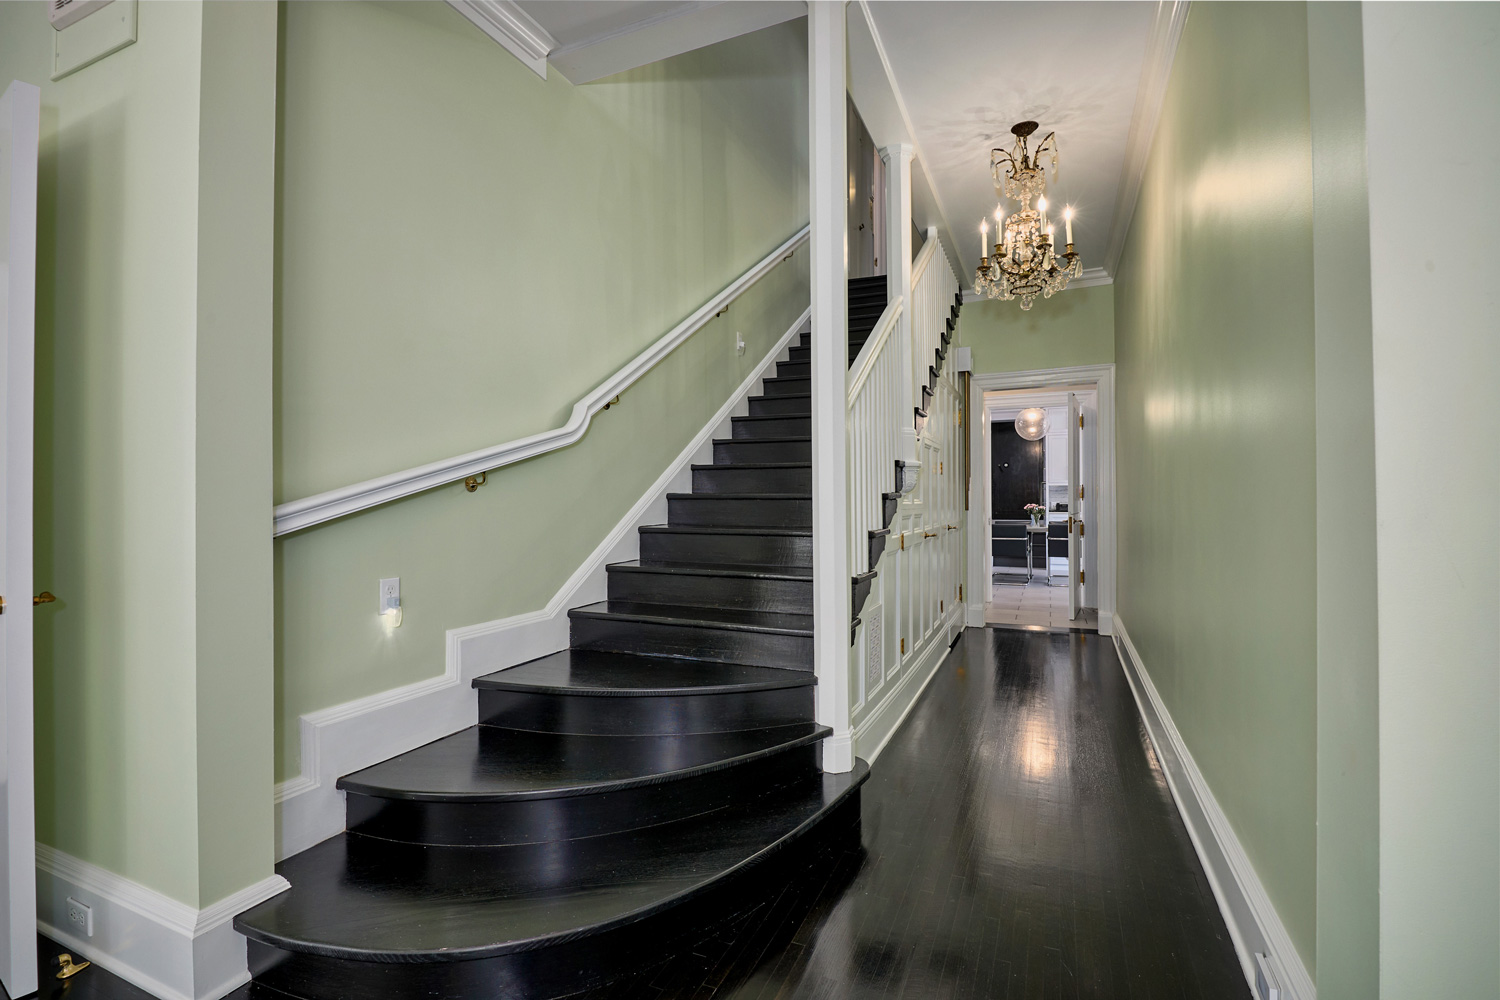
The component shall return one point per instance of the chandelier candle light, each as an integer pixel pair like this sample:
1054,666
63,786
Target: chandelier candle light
1022,262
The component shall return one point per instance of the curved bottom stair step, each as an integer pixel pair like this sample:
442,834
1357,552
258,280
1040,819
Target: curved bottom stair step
368,918
486,786
590,691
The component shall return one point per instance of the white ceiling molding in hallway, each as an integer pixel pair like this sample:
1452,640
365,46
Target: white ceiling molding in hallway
512,27
1166,32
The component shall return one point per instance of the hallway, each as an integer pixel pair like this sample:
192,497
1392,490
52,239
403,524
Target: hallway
1018,841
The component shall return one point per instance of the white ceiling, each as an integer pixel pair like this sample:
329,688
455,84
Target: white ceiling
967,71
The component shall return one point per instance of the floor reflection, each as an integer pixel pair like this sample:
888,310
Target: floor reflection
1019,841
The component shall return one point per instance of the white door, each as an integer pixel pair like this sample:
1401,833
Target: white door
1075,597
19,119
1086,499
986,503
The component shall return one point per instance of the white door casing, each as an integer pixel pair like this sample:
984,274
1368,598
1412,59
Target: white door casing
1075,597
1088,487
20,116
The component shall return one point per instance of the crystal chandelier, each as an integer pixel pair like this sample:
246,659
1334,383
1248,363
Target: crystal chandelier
1022,264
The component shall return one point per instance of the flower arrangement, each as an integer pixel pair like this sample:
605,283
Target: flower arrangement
1037,512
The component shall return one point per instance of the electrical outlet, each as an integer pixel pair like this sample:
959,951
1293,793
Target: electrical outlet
80,918
739,343
390,595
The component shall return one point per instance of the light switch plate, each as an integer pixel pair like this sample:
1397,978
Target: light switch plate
92,37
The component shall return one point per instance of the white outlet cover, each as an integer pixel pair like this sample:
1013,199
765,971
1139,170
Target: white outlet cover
390,595
80,917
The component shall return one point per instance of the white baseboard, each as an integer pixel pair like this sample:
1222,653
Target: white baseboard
335,741
904,694
164,946
1253,922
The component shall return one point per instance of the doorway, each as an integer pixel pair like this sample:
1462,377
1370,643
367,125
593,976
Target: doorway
1058,573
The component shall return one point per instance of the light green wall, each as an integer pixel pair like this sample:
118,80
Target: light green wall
152,759
1348,897
1437,461
465,250
1076,327
1216,485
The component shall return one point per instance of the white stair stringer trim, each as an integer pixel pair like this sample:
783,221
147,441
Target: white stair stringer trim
344,738
1253,922
149,939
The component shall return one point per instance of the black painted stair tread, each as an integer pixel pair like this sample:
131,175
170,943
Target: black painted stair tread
493,764
715,569
738,496
625,675
734,619
370,900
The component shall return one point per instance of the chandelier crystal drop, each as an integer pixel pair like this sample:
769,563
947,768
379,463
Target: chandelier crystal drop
1022,262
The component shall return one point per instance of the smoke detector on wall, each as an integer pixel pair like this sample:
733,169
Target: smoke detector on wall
61,13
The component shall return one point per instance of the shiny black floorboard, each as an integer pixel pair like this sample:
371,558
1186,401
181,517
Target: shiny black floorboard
1019,841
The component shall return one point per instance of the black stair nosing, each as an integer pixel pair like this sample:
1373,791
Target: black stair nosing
796,735
834,791
726,529
727,678
804,439
686,616
752,465
750,571
780,395
775,416
738,496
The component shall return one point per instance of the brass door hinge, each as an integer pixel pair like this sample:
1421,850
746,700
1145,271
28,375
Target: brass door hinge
1080,576
903,647
960,592
1080,420
940,607
940,468
1080,492
1080,529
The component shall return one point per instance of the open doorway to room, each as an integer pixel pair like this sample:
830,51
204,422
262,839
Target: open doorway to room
1045,488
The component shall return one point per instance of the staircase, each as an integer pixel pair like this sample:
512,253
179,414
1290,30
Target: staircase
867,298
619,799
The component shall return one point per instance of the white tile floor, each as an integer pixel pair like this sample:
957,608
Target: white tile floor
1016,602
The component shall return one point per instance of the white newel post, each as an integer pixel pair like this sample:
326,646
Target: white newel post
898,157
830,363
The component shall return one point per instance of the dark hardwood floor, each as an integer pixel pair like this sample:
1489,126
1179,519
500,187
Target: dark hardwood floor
1018,840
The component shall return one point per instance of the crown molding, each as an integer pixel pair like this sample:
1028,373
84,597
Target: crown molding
512,27
1156,72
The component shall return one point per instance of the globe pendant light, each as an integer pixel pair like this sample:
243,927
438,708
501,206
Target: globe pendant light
1031,423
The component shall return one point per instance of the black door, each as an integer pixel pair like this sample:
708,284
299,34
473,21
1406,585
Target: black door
1017,473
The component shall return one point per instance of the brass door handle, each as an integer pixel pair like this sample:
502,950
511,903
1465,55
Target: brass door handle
45,597
929,534
952,527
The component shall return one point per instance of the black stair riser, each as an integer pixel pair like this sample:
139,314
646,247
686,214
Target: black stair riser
860,587
699,642
676,714
707,510
535,821
738,479
699,590
733,452
585,962
794,369
774,427
795,406
787,386
668,547
878,541
796,354
891,502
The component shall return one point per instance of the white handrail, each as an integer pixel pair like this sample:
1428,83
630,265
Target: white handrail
878,336
298,514
919,266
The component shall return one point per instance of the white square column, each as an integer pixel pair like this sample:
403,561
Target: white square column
828,196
